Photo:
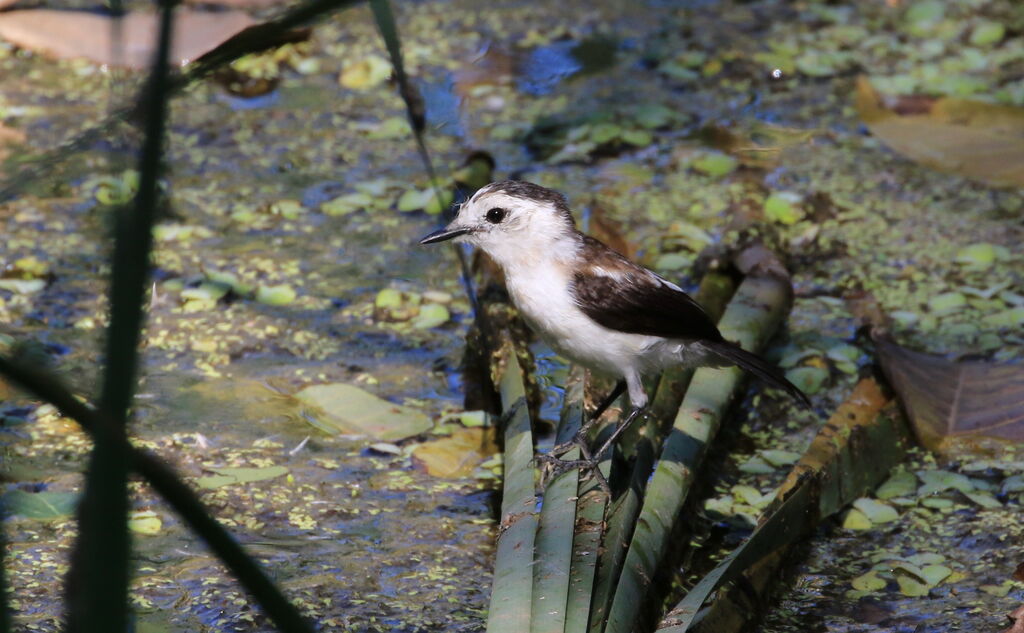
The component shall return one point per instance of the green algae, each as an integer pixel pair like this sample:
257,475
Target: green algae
895,228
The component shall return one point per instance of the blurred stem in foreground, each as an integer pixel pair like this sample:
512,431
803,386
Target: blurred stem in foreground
103,545
553,554
174,491
5,612
416,111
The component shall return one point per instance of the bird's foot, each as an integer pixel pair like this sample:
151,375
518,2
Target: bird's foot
619,430
553,467
578,441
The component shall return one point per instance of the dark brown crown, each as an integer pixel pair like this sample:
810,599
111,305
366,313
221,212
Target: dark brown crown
535,193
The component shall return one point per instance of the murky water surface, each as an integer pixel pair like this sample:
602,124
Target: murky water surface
620,99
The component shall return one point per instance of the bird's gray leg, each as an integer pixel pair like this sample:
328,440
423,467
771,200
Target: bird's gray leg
638,398
590,462
580,438
619,430
558,466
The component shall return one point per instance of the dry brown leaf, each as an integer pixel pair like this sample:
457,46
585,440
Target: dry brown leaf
238,4
610,232
980,141
495,66
1018,621
9,136
457,455
79,34
955,406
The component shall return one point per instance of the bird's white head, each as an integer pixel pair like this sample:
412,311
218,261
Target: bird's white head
511,221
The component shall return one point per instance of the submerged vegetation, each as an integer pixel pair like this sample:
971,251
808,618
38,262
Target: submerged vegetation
301,365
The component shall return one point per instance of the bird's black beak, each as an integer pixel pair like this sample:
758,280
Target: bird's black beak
444,234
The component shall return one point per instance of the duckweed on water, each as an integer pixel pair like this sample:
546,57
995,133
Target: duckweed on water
346,153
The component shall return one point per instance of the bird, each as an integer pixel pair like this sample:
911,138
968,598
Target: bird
591,304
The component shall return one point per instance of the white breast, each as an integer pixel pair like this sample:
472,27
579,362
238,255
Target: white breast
543,296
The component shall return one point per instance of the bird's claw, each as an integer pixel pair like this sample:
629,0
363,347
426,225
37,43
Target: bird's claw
553,467
578,441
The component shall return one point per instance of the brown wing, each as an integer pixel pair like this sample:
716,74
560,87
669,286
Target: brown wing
625,297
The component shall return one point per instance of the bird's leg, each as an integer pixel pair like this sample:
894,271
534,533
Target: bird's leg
619,430
590,462
580,438
558,466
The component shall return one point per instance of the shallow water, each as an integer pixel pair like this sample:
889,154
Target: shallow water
362,539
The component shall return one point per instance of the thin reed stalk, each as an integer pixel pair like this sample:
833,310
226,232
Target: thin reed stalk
586,548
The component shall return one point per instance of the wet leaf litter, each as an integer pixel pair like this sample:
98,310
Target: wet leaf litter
212,333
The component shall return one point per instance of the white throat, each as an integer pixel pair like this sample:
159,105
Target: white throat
535,250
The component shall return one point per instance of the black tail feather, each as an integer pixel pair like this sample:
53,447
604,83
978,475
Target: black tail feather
736,355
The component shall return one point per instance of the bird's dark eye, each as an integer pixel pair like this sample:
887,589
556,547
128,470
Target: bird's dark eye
495,215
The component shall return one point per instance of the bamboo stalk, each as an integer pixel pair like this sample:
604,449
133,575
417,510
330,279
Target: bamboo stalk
512,590
585,551
714,293
750,319
554,546
851,454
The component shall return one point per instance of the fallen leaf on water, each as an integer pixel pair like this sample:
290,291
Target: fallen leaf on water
238,4
876,511
856,520
39,505
977,140
868,582
952,405
344,408
457,455
145,522
241,475
86,35
1018,621
9,136
363,74
911,580
900,484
